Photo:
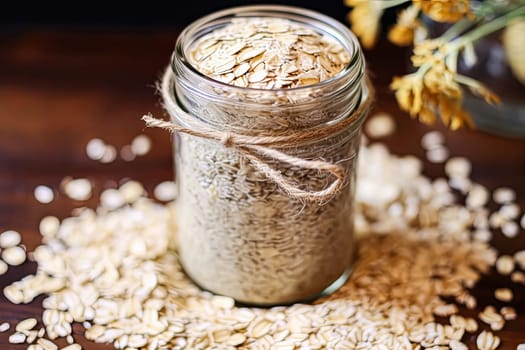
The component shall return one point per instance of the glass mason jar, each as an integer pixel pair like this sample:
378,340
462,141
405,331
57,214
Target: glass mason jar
238,232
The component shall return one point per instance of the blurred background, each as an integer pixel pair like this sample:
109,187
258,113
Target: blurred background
130,13
140,13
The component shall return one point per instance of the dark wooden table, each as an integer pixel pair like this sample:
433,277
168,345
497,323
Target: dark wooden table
60,88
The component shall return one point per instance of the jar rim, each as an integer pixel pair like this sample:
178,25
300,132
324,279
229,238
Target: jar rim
327,24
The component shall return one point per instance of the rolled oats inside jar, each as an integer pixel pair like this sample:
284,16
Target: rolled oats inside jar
279,96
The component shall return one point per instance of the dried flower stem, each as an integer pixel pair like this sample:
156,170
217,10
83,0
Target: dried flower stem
489,27
456,29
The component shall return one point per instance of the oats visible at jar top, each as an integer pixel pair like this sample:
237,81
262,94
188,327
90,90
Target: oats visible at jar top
268,53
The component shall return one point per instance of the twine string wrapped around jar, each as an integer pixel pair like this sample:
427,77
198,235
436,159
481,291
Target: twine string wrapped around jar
253,147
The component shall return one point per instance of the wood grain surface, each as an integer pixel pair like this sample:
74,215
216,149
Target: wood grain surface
61,88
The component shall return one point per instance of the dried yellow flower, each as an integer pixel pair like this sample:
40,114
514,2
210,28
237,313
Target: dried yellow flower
425,51
427,116
478,88
364,18
409,92
444,10
439,79
436,88
452,113
433,90
402,33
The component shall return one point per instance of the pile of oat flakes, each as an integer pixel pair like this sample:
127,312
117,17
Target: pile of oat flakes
114,270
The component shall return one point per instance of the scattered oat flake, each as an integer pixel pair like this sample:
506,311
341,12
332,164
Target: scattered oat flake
13,294
112,199
457,321
461,184
127,154
166,191
458,166
445,310
49,226
510,229
35,347
110,154
260,328
141,145
471,325
131,191
3,267
490,316
503,294
503,195
518,277
497,220
521,346
222,302
510,211
95,149
236,339
432,139
477,197
457,345
14,256
4,327
47,344
487,341
26,325
519,258
44,194
72,347
482,235
380,125
31,336
437,154
9,239
78,189
17,338
505,264
508,313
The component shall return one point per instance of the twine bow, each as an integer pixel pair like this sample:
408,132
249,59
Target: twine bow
255,148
